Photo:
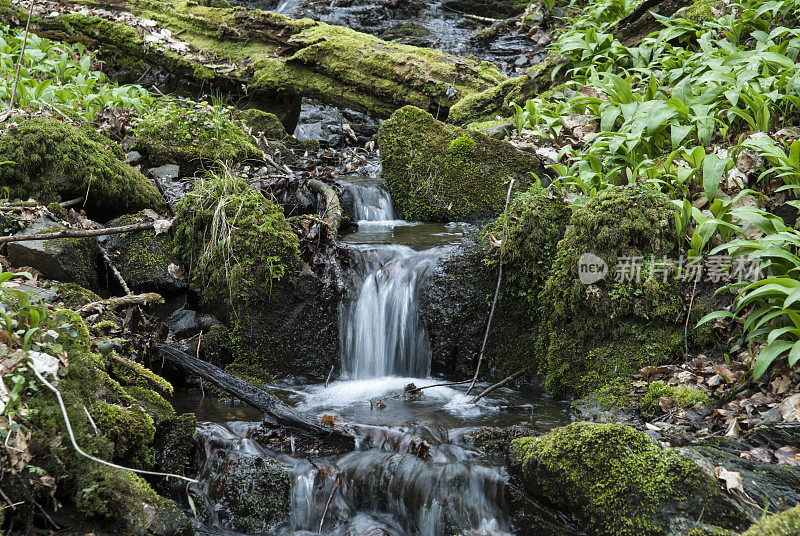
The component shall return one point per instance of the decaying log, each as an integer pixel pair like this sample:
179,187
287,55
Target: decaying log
121,301
276,411
333,208
640,22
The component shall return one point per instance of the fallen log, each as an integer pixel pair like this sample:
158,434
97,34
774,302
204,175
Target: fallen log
270,56
71,233
276,411
333,208
121,301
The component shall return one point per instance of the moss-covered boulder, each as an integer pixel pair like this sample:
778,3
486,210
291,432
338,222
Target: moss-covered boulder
438,173
264,122
124,433
250,494
236,243
194,135
145,260
55,161
616,482
785,523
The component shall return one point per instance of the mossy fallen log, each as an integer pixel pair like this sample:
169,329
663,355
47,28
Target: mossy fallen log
266,53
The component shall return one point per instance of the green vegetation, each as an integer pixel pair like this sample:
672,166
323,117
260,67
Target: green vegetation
61,78
81,161
438,173
193,134
617,481
785,523
236,243
679,114
684,397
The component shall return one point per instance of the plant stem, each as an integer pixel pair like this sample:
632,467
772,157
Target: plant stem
21,55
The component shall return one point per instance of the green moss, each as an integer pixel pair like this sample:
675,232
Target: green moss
265,122
132,373
699,11
58,211
144,257
786,523
438,173
131,430
684,397
193,134
154,403
81,161
259,248
105,327
77,256
617,481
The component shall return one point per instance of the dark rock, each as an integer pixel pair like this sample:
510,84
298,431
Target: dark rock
167,172
250,494
145,259
133,157
37,293
72,260
321,123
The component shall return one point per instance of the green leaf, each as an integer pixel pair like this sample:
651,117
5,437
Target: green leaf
714,169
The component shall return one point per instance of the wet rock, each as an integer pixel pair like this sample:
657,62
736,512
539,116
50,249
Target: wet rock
498,9
496,440
453,311
175,449
73,260
613,479
438,173
133,157
321,123
167,172
250,494
777,485
37,293
494,129
145,259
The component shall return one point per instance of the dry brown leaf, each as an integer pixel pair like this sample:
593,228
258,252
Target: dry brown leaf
758,454
731,479
726,373
780,385
789,408
788,455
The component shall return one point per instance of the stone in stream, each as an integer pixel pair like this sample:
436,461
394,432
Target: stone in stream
64,259
440,173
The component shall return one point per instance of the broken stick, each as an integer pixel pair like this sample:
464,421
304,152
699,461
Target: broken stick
71,233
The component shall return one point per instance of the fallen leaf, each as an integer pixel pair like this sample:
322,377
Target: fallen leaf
731,479
758,454
789,408
726,373
788,456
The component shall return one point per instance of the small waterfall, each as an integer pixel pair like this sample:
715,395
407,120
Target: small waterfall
371,202
284,6
379,331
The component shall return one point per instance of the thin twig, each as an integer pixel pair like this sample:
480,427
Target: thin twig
72,202
496,290
71,233
116,273
91,421
686,326
327,505
498,385
94,458
443,385
329,377
10,504
21,55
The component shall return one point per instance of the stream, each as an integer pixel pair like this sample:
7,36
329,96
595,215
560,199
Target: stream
414,471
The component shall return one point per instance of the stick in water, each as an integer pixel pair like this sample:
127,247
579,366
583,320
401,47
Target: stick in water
496,290
499,384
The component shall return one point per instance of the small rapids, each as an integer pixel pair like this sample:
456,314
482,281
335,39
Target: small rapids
414,470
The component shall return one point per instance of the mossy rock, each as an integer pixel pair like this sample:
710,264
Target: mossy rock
785,523
80,161
265,122
194,135
130,429
102,493
616,482
259,246
144,258
253,493
438,173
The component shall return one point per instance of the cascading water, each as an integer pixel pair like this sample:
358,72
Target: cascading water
402,479
378,329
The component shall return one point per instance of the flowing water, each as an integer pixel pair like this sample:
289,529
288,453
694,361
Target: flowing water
413,472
